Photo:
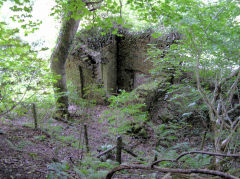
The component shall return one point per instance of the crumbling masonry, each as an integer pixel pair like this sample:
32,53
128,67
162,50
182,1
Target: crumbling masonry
117,62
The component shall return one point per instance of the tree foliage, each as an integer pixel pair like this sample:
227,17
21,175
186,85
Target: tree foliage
208,49
22,73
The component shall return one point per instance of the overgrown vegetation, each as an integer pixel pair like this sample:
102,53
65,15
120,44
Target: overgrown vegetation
191,103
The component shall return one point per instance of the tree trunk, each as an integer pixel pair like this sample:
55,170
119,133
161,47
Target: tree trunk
58,60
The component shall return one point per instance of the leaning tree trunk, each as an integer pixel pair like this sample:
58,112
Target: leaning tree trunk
58,60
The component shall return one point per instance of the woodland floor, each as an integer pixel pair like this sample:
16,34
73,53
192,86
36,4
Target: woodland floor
26,153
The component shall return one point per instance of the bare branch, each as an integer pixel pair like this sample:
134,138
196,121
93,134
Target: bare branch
16,104
225,113
93,2
129,151
196,152
219,106
233,87
171,170
106,151
120,1
238,95
201,90
94,9
234,73
234,126
235,123
237,107
218,85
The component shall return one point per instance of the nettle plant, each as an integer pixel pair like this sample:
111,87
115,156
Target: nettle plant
124,112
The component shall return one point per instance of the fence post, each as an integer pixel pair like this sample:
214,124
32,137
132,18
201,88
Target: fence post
86,137
119,150
34,115
156,155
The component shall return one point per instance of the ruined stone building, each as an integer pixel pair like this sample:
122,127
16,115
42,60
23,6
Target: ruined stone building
117,62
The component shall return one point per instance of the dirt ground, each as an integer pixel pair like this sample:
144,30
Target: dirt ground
26,152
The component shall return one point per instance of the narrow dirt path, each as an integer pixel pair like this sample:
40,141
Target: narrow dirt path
26,153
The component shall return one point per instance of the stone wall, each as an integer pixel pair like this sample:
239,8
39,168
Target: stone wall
81,72
120,63
109,67
133,66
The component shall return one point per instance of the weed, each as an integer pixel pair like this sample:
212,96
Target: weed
124,112
40,138
23,144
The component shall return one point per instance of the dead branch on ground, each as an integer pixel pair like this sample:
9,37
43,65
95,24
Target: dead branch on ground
169,170
195,152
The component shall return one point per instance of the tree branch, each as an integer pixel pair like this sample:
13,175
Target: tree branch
201,90
171,170
196,152
234,126
214,19
234,73
106,151
231,111
89,3
129,151
233,87
93,2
